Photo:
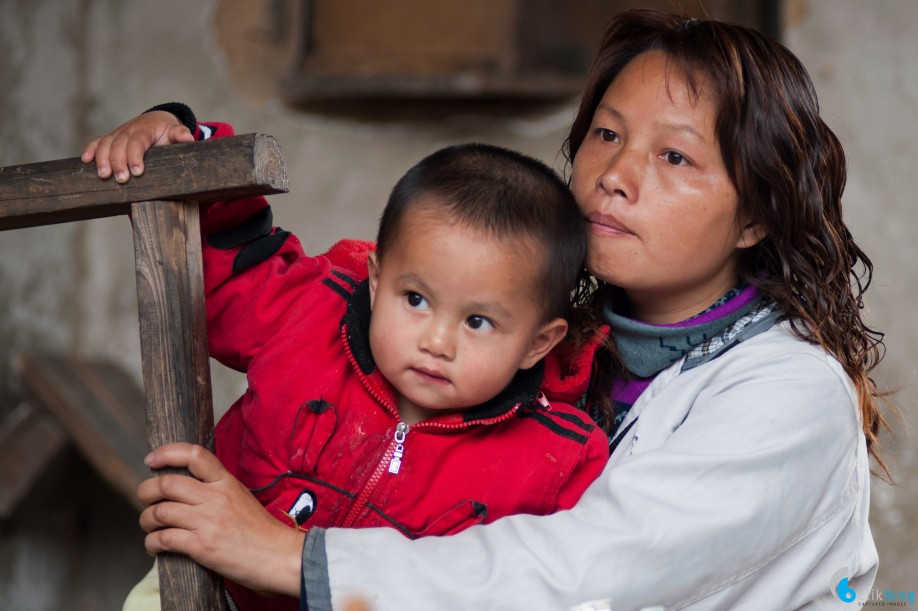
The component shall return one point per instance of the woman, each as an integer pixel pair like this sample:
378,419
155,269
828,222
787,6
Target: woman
739,476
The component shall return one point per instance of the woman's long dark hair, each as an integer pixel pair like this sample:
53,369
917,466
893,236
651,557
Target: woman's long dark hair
789,171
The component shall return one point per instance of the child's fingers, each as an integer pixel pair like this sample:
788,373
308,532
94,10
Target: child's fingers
134,150
118,155
89,153
139,142
179,133
101,154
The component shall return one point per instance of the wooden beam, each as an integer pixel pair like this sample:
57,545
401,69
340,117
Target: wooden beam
176,370
29,440
68,190
102,410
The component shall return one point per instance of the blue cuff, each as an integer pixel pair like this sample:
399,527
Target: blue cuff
315,590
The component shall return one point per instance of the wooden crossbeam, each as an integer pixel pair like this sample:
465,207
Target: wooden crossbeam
68,190
100,408
29,440
163,204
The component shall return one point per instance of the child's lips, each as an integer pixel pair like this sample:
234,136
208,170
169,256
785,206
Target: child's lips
431,375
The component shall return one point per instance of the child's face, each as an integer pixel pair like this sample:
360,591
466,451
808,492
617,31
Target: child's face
455,315
660,205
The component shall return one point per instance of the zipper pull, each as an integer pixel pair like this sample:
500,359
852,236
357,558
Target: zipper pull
401,431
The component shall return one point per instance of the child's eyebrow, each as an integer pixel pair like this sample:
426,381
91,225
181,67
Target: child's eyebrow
492,308
414,280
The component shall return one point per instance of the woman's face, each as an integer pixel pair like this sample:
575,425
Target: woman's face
661,210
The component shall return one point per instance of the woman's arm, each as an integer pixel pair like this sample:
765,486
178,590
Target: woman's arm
755,501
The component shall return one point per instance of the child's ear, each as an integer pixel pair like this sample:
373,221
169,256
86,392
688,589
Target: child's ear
547,338
373,269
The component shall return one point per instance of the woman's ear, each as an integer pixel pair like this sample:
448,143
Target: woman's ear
547,338
752,234
373,269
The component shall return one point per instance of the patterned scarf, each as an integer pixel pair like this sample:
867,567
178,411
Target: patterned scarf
647,349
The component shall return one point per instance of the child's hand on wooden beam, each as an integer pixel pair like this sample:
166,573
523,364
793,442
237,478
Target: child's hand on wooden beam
121,152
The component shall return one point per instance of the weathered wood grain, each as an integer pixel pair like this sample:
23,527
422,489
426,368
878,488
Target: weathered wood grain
176,371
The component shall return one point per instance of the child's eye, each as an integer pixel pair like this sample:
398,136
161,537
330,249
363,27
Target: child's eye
415,301
607,135
479,323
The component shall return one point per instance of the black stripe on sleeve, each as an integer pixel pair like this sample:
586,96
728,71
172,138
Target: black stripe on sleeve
337,288
256,226
346,278
576,421
555,427
258,251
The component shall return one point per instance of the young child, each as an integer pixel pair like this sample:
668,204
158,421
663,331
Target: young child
401,385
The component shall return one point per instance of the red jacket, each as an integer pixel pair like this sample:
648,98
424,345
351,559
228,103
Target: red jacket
317,435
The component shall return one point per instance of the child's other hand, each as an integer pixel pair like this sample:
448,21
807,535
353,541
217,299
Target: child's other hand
120,153
216,521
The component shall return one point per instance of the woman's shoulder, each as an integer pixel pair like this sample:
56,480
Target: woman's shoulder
778,372
774,381
780,348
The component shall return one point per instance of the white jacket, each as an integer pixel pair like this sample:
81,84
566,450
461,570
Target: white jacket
744,484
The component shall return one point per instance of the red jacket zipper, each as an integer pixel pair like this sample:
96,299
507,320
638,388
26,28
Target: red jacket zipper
388,462
392,458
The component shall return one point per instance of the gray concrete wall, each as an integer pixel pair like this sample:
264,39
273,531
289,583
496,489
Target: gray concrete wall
861,56
71,70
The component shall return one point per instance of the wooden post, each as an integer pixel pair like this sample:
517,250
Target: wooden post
176,373
167,249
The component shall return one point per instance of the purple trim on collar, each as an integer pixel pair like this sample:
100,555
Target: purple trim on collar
628,392
746,296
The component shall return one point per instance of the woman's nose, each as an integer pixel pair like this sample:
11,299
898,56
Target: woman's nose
620,174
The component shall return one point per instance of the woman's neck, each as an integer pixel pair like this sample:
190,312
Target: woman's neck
659,309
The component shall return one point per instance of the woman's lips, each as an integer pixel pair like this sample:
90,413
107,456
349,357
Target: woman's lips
604,224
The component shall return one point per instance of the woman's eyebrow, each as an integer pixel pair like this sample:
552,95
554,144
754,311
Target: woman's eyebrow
684,128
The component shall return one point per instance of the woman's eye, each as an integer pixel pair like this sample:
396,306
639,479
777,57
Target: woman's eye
607,135
416,301
674,158
479,323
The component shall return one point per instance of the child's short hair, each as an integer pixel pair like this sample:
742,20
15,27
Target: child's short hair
504,193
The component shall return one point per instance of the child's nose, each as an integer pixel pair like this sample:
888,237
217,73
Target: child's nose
437,339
